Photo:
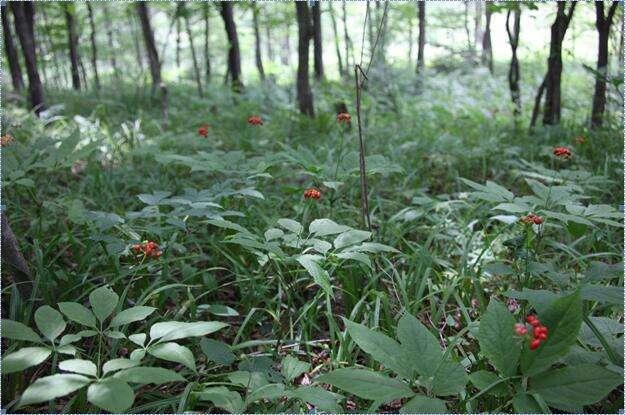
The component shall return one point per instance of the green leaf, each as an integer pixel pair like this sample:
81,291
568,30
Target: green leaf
223,398
145,375
483,379
525,404
118,364
574,386
382,348
563,319
497,338
112,395
320,398
81,366
138,339
351,237
367,384
292,367
270,391
603,294
24,358
173,352
103,301
49,322
320,275
154,198
323,227
449,379
291,225
132,314
15,330
219,310
423,405
356,256
218,352
422,352
174,330
51,387
78,313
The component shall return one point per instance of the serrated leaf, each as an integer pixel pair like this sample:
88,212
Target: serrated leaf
320,276
103,301
291,225
51,387
424,405
293,367
81,366
496,338
323,227
49,322
483,379
154,198
351,237
223,398
24,358
367,384
355,256
111,394
322,399
15,330
218,352
78,313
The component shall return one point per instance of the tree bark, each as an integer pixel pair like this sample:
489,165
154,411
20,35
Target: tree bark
285,56
150,45
602,24
513,72
317,39
24,13
109,36
94,50
196,64
258,55
268,42
487,47
137,44
553,107
11,52
207,60
72,42
348,41
234,55
178,31
304,94
421,47
336,39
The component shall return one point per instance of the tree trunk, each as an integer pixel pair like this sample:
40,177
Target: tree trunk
234,56
421,47
304,94
196,64
336,39
150,45
317,43
348,41
258,56
268,42
513,72
553,108
603,24
207,60
109,35
285,56
178,31
94,50
477,29
72,42
136,42
60,70
487,47
11,52
24,13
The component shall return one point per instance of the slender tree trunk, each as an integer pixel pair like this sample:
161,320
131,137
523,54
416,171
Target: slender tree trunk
83,72
258,55
72,42
207,60
178,31
109,36
11,52
304,94
150,45
60,70
477,29
137,44
513,72
421,47
196,64
270,55
348,41
24,13
234,55
410,41
470,46
94,50
487,47
603,24
285,56
317,42
336,39
553,108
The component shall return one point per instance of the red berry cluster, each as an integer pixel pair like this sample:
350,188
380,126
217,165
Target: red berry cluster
312,193
148,248
255,120
203,130
562,152
531,218
539,332
344,117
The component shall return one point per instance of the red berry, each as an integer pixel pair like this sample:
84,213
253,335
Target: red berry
534,344
530,318
520,329
535,323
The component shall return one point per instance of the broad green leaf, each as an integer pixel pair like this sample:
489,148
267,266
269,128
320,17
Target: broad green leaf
114,334
371,247
173,352
356,256
15,330
24,358
574,386
293,367
154,198
540,299
138,339
271,392
218,352
69,339
111,394
602,294
131,315
422,352
51,387
351,237
323,227
118,364
174,330
563,319
273,233
322,399
497,338
145,375
525,404
449,379
381,347
367,384
423,405
219,310
320,275
103,301
223,398
49,322
78,313
291,225
81,366
483,379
